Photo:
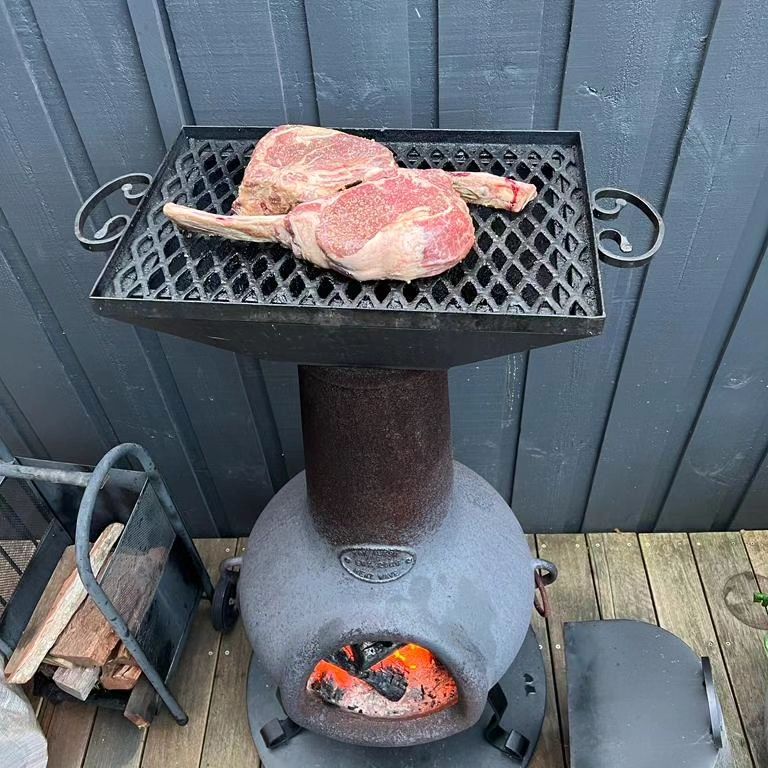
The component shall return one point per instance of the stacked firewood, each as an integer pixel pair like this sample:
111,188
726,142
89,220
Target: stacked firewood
68,638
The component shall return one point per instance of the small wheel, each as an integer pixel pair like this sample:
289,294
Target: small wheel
224,610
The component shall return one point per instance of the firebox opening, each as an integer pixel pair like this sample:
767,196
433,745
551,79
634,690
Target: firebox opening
384,679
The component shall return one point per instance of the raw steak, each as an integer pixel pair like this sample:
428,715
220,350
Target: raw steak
401,225
296,163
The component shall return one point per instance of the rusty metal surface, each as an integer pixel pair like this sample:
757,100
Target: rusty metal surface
377,446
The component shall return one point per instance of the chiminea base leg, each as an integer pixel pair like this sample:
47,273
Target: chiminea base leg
505,737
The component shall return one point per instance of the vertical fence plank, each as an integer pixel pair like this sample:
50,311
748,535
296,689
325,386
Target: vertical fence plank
693,290
289,22
488,70
233,76
215,400
210,385
32,373
361,61
693,26
17,436
43,186
486,400
610,92
161,64
555,34
109,98
228,60
489,63
731,432
422,31
281,381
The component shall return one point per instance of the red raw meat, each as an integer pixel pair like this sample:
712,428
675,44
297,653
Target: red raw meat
296,163
401,225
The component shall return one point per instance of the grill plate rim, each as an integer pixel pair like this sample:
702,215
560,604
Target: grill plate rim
573,326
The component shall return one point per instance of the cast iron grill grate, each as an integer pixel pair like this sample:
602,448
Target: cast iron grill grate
539,262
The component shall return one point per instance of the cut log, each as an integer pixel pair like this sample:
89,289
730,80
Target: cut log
77,681
121,656
120,678
130,581
49,620
142,704
55,661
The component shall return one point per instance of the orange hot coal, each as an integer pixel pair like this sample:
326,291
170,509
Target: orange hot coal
408,682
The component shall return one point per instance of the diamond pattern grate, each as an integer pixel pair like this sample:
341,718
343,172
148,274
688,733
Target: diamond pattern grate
539,262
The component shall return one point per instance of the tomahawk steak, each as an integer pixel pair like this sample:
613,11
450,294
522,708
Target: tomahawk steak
401,225
296,163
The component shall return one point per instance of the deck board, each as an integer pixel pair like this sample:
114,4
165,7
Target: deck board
729,585
115,742
697,586
549,752
572,598
68,727
228,741
682,609
169,746
621,582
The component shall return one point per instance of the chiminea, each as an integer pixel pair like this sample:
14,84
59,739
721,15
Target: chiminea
387,590
399,585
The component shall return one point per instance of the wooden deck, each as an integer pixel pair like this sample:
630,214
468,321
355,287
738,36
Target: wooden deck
698,586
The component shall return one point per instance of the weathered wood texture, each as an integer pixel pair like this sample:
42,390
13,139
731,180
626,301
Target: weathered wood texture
76,681
571,598
740,623
549,753
682,609
56,607
67,727
169,746
659,424
228,739
620,579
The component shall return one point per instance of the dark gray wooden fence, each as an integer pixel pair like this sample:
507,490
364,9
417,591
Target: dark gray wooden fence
658,424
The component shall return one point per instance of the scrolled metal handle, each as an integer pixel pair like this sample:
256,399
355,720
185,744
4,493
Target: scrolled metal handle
620,199
106,237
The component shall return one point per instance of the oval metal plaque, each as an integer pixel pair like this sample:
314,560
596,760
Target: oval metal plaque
377,564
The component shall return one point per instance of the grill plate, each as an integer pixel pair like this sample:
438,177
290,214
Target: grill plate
531,273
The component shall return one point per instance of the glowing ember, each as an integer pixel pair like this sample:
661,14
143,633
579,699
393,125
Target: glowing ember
384,680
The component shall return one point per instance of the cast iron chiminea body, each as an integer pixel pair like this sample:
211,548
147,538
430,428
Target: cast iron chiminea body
387,589
384,539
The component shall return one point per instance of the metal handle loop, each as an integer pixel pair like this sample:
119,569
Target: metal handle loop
550,569
107,236
620,199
